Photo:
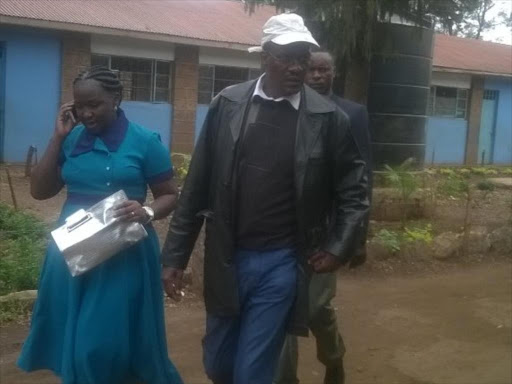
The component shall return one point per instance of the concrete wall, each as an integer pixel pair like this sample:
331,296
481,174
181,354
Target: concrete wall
503,136
229,58
130,47
32,90
154,116
449,79
445,140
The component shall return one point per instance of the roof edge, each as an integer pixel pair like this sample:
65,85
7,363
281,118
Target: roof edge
72,27
469,71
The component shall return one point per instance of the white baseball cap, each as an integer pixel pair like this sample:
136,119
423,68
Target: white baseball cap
285,29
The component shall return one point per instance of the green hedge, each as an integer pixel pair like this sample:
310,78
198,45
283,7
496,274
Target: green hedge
22,246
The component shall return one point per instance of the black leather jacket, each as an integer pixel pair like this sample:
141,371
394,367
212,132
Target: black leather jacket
330,186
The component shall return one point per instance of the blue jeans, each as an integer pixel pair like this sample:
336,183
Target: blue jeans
245,349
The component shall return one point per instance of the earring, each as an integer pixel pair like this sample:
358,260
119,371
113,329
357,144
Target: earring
115,108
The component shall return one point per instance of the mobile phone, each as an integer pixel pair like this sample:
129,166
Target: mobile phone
73,115
73,112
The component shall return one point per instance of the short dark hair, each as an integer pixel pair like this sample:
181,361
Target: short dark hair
326,53
107,78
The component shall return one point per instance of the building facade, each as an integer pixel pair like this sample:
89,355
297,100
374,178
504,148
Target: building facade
470,105
174,57
170,74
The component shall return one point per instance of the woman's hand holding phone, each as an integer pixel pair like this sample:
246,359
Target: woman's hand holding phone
66,120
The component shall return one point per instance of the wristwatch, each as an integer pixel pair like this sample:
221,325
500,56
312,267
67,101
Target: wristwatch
150,212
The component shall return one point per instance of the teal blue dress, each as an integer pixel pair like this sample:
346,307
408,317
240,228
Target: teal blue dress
106,326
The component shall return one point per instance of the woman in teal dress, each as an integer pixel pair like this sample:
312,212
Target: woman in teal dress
107,325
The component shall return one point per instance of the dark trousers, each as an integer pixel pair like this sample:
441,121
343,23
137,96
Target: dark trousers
323,324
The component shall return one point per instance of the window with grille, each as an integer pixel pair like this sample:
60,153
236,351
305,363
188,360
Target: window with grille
448,102
214,78
490,95
143,79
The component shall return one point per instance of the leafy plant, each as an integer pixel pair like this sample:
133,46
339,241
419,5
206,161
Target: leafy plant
14,310
483,171
389,239
485,185
22,244
464,171
419,234
454,186
447,171
394,240
402,179
181,163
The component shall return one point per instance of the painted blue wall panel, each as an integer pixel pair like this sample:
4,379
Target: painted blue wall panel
446,140
503,137
201,113
32,90
156,117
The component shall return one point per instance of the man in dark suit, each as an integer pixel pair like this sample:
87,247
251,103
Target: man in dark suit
322,289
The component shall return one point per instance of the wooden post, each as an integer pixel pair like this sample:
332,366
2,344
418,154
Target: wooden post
11,187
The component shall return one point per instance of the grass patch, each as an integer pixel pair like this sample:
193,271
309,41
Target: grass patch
22,247
485,185
14,311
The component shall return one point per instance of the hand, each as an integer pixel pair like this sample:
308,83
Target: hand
131,211
359,257
172,280
65,120
324,262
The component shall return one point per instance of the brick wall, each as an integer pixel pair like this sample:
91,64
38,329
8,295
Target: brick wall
474,115
76,56
186,80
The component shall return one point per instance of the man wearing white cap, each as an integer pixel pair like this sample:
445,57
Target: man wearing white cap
282,187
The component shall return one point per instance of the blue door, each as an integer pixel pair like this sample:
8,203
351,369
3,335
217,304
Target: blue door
2,97
487,127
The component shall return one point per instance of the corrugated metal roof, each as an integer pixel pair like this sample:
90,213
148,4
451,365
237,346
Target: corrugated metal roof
470,55
213,20
227,21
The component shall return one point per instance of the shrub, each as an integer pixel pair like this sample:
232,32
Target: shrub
394,240
389,240
485,185
22,244
402,179
454,186
181,164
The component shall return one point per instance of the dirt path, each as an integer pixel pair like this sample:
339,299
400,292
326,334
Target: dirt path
453,328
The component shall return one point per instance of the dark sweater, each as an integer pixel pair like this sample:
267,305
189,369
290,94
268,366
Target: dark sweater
266,205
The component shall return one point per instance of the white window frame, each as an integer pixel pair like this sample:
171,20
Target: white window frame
459,97
153,75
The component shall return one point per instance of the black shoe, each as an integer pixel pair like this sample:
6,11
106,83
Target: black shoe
335,374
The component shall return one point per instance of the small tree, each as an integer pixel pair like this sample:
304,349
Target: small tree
404,181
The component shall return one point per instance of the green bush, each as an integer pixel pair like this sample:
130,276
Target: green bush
402,179
485,185
14,310
394,240
390,240
22,245
424,235
181,164
453,185
482,171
